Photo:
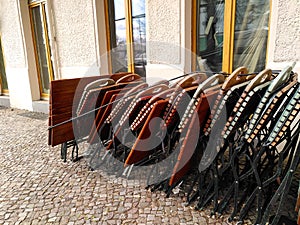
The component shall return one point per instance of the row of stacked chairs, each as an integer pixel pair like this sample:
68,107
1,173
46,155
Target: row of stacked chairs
67,97
232,141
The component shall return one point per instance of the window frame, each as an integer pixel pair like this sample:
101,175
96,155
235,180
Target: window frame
129,36
42,5
228,41
2,90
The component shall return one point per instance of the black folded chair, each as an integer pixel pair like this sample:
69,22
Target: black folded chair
231,141
254,166
228,96
168,106
261,118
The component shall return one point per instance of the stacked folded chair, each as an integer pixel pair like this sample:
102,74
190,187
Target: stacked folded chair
82,98
230,141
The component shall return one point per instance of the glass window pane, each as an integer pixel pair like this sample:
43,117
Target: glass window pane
40,45
251,34
119,9
119,33
117,24
210,23
120,52
138,7
139,36
2,70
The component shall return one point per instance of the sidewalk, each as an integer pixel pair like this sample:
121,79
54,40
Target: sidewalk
36,187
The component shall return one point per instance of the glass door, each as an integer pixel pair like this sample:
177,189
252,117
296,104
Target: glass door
3,80
209,35
42,48
126,28
229,34
139,37
251,34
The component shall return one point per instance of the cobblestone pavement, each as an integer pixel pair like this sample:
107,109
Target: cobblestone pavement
36,187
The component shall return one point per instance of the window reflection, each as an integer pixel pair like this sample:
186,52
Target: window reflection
210,20
249,37
119,42
139,36
42,48
117,24
251,34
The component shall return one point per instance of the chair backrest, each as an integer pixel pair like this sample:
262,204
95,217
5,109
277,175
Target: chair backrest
248,101
145,111
106,101
92,102
209,83
190,80
101,131
223,106
190,129
129,78
144,143
261,78
263,114
156,107
93,85
117,76
178,107
128,96
148,92
285,120
238,77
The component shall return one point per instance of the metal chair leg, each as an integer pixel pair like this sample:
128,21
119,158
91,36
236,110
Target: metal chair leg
64,151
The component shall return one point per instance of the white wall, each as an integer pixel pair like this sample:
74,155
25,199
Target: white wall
75,36
100,28
12,34
15,52
168,38
77,39
284,40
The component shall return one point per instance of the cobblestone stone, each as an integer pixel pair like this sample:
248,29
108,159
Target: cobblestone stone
37,187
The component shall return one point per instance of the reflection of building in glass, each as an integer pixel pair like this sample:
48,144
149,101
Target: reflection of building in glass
210,26
249,36
127,25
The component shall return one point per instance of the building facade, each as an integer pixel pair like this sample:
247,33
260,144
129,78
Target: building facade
48,40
